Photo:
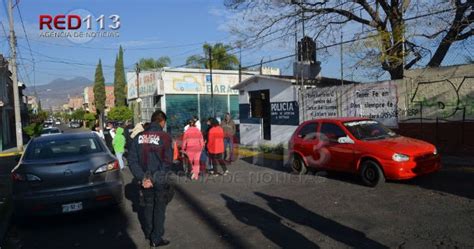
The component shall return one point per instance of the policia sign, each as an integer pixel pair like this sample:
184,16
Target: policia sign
285,113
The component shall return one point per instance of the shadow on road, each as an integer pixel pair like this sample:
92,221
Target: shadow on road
103,228
259,160
294,212
451,179
269,224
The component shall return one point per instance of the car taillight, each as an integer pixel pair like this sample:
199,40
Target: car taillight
17,177
107,167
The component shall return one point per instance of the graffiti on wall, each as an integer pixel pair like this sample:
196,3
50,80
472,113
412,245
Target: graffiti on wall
450,99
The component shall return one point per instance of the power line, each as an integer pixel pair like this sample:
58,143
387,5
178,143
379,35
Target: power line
29,47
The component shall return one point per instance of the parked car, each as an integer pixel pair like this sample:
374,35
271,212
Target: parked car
50,131
75,124
58,122
47,124
65,173
360,146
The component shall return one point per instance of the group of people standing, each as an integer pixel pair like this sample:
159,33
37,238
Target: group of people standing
211,148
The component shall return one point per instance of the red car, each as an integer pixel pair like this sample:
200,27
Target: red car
360,146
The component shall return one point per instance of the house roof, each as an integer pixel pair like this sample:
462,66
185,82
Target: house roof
323,81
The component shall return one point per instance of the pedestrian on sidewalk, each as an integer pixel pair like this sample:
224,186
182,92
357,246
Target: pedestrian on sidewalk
150,159
228,126
215,147
98,131
109,136
119,146
193,143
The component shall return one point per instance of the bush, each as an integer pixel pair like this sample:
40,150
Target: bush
273,149
33,129
121,113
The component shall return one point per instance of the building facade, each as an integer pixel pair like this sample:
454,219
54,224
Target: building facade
75,103
183,93
89,102
7,113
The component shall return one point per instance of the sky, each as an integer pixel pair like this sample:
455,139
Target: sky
149,28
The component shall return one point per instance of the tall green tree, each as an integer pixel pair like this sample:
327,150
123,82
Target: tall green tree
120,84
99,92
221,58
150,63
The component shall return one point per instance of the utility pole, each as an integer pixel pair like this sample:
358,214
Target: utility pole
137,71
342,59
16,94
212,85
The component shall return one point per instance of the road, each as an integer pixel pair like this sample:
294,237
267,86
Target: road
267,207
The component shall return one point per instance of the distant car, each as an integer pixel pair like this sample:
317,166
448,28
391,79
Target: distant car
65,173
58,122
75,124
50,131
47,124
360,146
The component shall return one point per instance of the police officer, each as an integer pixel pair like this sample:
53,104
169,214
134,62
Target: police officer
150,159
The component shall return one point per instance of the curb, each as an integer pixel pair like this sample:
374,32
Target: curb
10,154
251,153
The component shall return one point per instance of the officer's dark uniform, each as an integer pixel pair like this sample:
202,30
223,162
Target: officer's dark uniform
151,155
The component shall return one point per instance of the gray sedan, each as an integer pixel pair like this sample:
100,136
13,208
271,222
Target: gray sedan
66,173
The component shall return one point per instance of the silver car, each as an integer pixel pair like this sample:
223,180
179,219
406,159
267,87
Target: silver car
66,173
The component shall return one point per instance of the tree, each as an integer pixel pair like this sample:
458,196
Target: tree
150,63
120,83
221,59
99,92
78,114
90,119
396,41
120,113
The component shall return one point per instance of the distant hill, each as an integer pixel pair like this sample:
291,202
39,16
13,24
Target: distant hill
55,93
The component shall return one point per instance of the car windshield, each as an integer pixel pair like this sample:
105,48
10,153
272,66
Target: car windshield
50,131
60,148
369,130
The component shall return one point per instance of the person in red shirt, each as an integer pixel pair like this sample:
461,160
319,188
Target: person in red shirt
193,144
215,146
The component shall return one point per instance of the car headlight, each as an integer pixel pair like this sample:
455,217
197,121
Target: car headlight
107,167
400,157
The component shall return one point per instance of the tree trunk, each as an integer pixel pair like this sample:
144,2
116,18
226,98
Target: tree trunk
397,72
442,50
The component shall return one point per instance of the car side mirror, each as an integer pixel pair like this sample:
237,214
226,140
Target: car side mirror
345,140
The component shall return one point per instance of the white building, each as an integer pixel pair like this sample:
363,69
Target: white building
270,107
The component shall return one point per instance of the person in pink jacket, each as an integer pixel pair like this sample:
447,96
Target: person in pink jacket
193,144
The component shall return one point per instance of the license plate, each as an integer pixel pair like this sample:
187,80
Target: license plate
72,207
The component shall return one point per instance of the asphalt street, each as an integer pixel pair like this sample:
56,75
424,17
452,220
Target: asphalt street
262,205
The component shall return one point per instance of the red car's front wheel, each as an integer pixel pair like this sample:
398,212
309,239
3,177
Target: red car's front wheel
371,173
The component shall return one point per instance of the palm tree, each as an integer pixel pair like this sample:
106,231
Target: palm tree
150,63
221,59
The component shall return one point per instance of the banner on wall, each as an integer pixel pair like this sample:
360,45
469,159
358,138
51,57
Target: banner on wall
377,101
149,82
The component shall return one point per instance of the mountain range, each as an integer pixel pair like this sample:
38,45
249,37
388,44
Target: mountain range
57,92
